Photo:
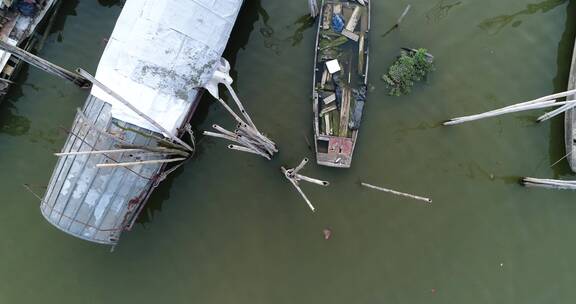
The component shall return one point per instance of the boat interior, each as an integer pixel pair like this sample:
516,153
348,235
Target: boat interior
340,80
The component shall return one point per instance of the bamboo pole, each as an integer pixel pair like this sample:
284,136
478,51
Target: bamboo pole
240,106
311,180
246,142
541,99
249,132
222,130
242,149
133,108
44,65
557,112
500,111
255,141
222,136
549,184
238,141
508,110
420,198
138,163
227,107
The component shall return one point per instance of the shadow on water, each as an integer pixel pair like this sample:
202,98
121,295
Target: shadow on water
10,122
564,60
111,3
302,24
67,8
249,15
157,199
495,24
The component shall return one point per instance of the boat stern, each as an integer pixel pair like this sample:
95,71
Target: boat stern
334,151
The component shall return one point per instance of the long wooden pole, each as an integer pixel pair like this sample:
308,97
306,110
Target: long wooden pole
133,108
420,198
44,65
494,113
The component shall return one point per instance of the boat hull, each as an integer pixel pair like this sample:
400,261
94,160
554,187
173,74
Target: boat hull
570,118
340,81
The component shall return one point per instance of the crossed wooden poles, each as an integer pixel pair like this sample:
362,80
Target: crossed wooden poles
294,177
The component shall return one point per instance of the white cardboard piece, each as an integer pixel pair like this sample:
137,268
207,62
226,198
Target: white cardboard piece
333,66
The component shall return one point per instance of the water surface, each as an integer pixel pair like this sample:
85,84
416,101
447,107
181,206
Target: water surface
227,228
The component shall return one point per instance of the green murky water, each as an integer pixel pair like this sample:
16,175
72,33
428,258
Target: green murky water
228,229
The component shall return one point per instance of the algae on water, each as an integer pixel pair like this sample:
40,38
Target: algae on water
411,66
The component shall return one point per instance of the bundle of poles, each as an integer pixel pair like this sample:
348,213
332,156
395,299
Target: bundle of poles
540,103
295,177
246,137
549,183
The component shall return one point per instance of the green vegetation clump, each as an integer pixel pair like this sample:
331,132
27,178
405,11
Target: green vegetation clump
408,68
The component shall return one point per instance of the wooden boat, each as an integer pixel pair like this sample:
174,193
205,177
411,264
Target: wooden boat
17,29
570,117
340,79
159,57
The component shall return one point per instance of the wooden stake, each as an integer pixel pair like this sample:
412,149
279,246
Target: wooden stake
420,198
